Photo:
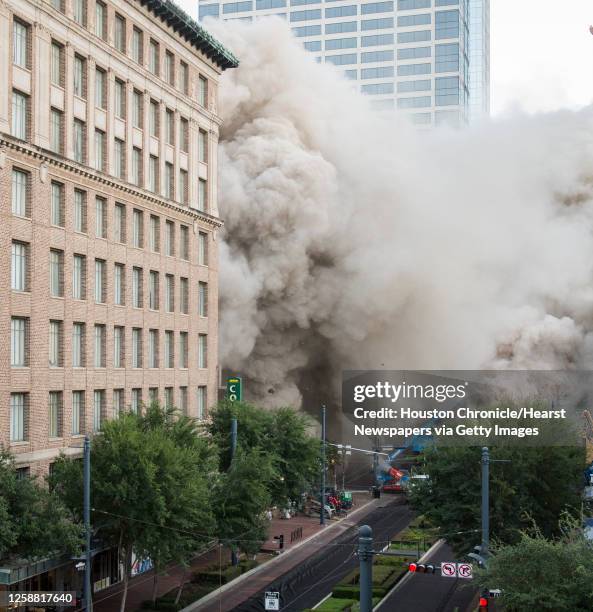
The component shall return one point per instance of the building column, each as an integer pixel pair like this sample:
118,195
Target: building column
40,89
5,53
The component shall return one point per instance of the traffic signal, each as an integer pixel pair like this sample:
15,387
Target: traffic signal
421,568
483,602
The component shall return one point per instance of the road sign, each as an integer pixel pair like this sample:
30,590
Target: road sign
234,390
272,600
449,569
465,570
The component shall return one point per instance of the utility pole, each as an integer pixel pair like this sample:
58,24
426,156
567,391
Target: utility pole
234,558
365,554
88,596
322,512
485,502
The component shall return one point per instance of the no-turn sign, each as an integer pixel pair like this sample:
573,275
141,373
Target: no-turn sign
465,570
449,569
272,600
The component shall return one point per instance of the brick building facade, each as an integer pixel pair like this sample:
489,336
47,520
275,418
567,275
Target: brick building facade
108,217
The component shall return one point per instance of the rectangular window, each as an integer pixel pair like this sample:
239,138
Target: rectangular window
78,345
153,118
184,295
119,99
380,72
153,394
447,91
183,349
153,173
138,104
137,287
184,134
414,20
137,46
79,211
340,43
170,127
202,195
410,5
79,277
20,193
19,342
56,131
154,234
447,57
98,409
169,181
79,76
136,347
203,299
118,346
202,398
413,69
55,344
184,77
413,86
169,238
312,14
202,249
153,290
137,229
183,187
100,88
417,102
57,204
79,148
376,40
136,404
153,348
446,24
169,293
341,60
100,217
119,223
137,167
119,33
99,150
202,351
341,27
170,68
100,280
19,266
412,37
414,53
56,273
20,44
203,146
183,400
311,30
118,403
376,7
20,123
377,56
203,91
153,57
57,64
100,20
55,414
77,412
119,284
99,360
184,242
79,7
18,416
119,158
340,11
169,397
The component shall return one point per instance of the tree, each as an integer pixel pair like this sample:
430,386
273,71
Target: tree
542,574
33,521
538,482
149,490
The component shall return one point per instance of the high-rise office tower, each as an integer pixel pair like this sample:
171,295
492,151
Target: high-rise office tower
429,58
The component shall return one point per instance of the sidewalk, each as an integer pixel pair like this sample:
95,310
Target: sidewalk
140,587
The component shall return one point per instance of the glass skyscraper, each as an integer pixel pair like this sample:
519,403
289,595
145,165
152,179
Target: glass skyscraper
429,58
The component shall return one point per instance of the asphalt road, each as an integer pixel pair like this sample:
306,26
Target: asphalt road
431,592
307,584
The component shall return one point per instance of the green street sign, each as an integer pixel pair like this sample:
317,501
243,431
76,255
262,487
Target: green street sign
234,389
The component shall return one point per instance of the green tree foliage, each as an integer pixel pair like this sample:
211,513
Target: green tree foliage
33,520
537,482
281,434
542,574
149,487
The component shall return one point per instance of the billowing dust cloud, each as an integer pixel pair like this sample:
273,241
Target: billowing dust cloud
354,241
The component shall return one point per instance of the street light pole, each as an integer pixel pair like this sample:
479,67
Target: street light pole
485,502
88,596
322,512
234,557
365,554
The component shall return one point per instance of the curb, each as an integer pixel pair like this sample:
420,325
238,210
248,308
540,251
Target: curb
408,576
214,594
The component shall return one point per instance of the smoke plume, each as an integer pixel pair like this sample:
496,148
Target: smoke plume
353,240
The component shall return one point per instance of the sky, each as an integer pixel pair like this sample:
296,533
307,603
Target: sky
541,55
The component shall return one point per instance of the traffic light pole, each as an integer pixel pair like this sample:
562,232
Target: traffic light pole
365,554
322,496
234,558
88,596
485,502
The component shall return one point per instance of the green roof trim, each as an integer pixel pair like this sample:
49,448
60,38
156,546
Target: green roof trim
192,31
